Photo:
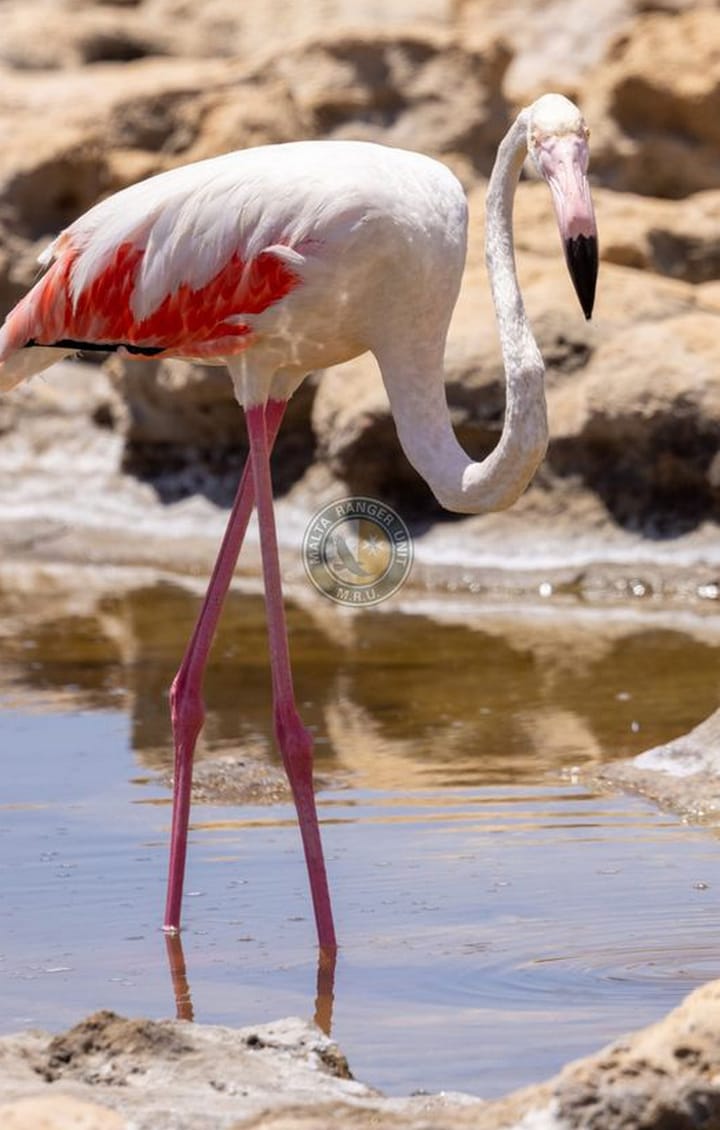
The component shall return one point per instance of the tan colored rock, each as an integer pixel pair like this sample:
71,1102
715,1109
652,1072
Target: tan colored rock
419,90
676,238
553,43
654,105
194,1077
641,426
51,178
71,38
88,31
183,427
666,1074
58,1112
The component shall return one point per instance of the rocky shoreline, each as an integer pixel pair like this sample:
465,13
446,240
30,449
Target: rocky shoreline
110,1073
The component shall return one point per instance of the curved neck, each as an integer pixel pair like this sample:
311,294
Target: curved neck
416,385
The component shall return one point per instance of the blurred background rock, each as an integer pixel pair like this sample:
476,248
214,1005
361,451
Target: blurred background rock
95,94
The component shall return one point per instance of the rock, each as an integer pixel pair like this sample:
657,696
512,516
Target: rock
194,1077
682,775
77,394
58,1112
553,43
419,90
675,238
171,1073
665,1075
655,117
90,31
100,35
184,429
47,181
641,426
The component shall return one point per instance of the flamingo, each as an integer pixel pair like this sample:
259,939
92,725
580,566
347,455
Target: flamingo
283,259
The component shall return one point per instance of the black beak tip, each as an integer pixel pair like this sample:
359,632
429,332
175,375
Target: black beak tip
581,253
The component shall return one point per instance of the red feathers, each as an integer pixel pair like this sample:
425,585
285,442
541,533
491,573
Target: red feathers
190,323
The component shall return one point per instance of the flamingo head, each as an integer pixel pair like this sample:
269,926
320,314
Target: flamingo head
558,146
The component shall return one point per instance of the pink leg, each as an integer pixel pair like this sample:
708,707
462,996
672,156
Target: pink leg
293,739
186,703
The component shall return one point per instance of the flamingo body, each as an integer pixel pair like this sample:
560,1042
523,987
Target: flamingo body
283,259
305,253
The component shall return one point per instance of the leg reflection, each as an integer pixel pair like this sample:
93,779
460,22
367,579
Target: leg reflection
325,984
325,996
178,976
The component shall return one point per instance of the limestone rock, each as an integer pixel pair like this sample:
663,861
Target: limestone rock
184,429
71,39
553,43
194,1077
665,1075
654,103
676,238
641,427
682,775
58,1112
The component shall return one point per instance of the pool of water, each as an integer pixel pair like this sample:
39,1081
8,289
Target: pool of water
495,916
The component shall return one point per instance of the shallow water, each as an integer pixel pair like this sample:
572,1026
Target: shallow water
496,917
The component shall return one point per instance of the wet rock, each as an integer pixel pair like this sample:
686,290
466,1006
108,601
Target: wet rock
682,775
239,779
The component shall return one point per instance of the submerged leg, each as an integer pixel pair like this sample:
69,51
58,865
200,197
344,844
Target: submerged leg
293,739
186,703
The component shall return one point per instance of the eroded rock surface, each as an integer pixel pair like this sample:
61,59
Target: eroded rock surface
193,1077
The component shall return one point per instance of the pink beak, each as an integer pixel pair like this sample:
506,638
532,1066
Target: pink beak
563,161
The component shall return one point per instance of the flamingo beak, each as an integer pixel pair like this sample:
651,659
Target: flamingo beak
563,161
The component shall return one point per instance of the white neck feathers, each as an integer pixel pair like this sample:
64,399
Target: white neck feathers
416,384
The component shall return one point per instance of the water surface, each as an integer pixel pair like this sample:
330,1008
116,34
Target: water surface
495,916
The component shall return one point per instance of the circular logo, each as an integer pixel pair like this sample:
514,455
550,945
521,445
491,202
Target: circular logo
357,551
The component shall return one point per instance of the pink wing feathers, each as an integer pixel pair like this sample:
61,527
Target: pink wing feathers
169,266
191,322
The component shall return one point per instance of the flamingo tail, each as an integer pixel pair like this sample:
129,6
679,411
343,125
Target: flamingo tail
19,357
